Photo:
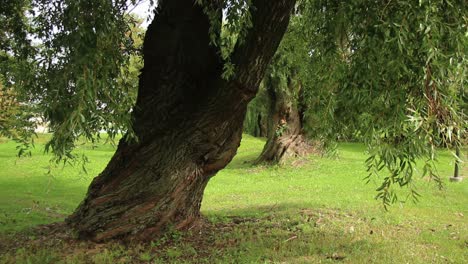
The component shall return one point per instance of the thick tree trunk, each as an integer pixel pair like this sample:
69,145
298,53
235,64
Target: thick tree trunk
188,121
285,138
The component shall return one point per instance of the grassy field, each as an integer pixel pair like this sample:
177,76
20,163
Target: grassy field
317,211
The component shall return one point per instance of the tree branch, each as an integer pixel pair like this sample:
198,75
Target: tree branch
270,20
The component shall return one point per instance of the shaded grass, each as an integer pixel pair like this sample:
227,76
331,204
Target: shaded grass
319,212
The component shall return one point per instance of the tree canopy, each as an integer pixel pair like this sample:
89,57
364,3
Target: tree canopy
391,73
67,58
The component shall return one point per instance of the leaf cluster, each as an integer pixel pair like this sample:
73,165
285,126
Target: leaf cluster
395,72
70,59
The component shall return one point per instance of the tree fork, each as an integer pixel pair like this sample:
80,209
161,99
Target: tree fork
188,121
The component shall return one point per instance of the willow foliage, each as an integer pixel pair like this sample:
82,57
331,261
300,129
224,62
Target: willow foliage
396,73
71,58
389,73
68,58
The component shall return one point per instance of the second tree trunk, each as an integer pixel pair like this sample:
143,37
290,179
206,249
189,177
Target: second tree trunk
285,137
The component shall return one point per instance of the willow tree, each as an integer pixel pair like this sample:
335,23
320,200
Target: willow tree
283,90
279,110
195,85
193,93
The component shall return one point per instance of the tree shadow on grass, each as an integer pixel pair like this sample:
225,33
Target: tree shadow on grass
283,233
280,233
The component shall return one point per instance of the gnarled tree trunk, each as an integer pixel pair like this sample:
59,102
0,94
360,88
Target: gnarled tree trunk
188,121
285,138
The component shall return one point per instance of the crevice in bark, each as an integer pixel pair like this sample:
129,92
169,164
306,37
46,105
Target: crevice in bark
188,121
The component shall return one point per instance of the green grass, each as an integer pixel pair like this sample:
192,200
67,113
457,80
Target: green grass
320,211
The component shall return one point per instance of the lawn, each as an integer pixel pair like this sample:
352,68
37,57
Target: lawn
317,210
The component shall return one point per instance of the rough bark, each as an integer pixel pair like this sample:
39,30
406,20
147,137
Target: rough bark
188,121
285,138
